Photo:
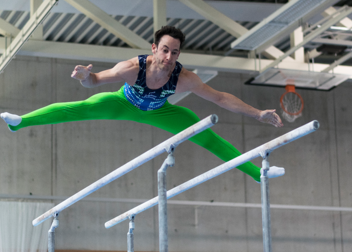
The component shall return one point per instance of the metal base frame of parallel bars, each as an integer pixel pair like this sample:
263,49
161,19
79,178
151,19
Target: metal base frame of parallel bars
166,146
163,234
263,151
130,237
51,234
264,187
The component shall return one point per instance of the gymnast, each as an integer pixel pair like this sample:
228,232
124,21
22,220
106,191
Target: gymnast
149,81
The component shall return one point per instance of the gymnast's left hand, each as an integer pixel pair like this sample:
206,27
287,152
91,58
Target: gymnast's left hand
269,116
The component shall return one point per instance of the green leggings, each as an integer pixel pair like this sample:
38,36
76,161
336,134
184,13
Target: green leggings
114,106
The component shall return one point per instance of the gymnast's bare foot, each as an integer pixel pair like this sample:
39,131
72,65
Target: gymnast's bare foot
11,119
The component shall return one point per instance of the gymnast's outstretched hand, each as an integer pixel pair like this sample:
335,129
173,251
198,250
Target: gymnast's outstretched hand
81,72
269,116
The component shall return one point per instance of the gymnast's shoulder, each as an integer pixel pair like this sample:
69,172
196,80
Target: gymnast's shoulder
127,66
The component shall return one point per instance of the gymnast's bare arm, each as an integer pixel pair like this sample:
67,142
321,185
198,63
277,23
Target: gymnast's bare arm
189,81
126,71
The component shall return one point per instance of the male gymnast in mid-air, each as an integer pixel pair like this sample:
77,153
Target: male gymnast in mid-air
149,81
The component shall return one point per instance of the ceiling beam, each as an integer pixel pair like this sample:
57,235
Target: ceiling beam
346,22
227,24
311,36
337,62
159,10
296,37
240,11
109,23
11,49
7,29
38,33
273,52
286,28
91,53
339,42
215,16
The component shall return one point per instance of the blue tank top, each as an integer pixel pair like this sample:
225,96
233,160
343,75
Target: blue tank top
145,98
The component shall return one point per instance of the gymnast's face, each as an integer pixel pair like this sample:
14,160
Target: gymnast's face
167,52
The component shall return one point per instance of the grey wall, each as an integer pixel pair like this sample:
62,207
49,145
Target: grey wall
61,159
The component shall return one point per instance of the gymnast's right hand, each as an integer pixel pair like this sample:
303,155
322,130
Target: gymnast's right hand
81,72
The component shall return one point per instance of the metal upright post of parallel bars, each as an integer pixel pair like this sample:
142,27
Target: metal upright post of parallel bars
163,236
264,186
263,150
51,234
130,236
157,150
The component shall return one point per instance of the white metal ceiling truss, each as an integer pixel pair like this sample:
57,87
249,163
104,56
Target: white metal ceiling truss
7,29
226,23
109,23
159,10
12,46
281,23
333,19
98,36
83,52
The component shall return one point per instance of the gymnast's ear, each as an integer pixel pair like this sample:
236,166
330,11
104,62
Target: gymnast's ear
154,48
